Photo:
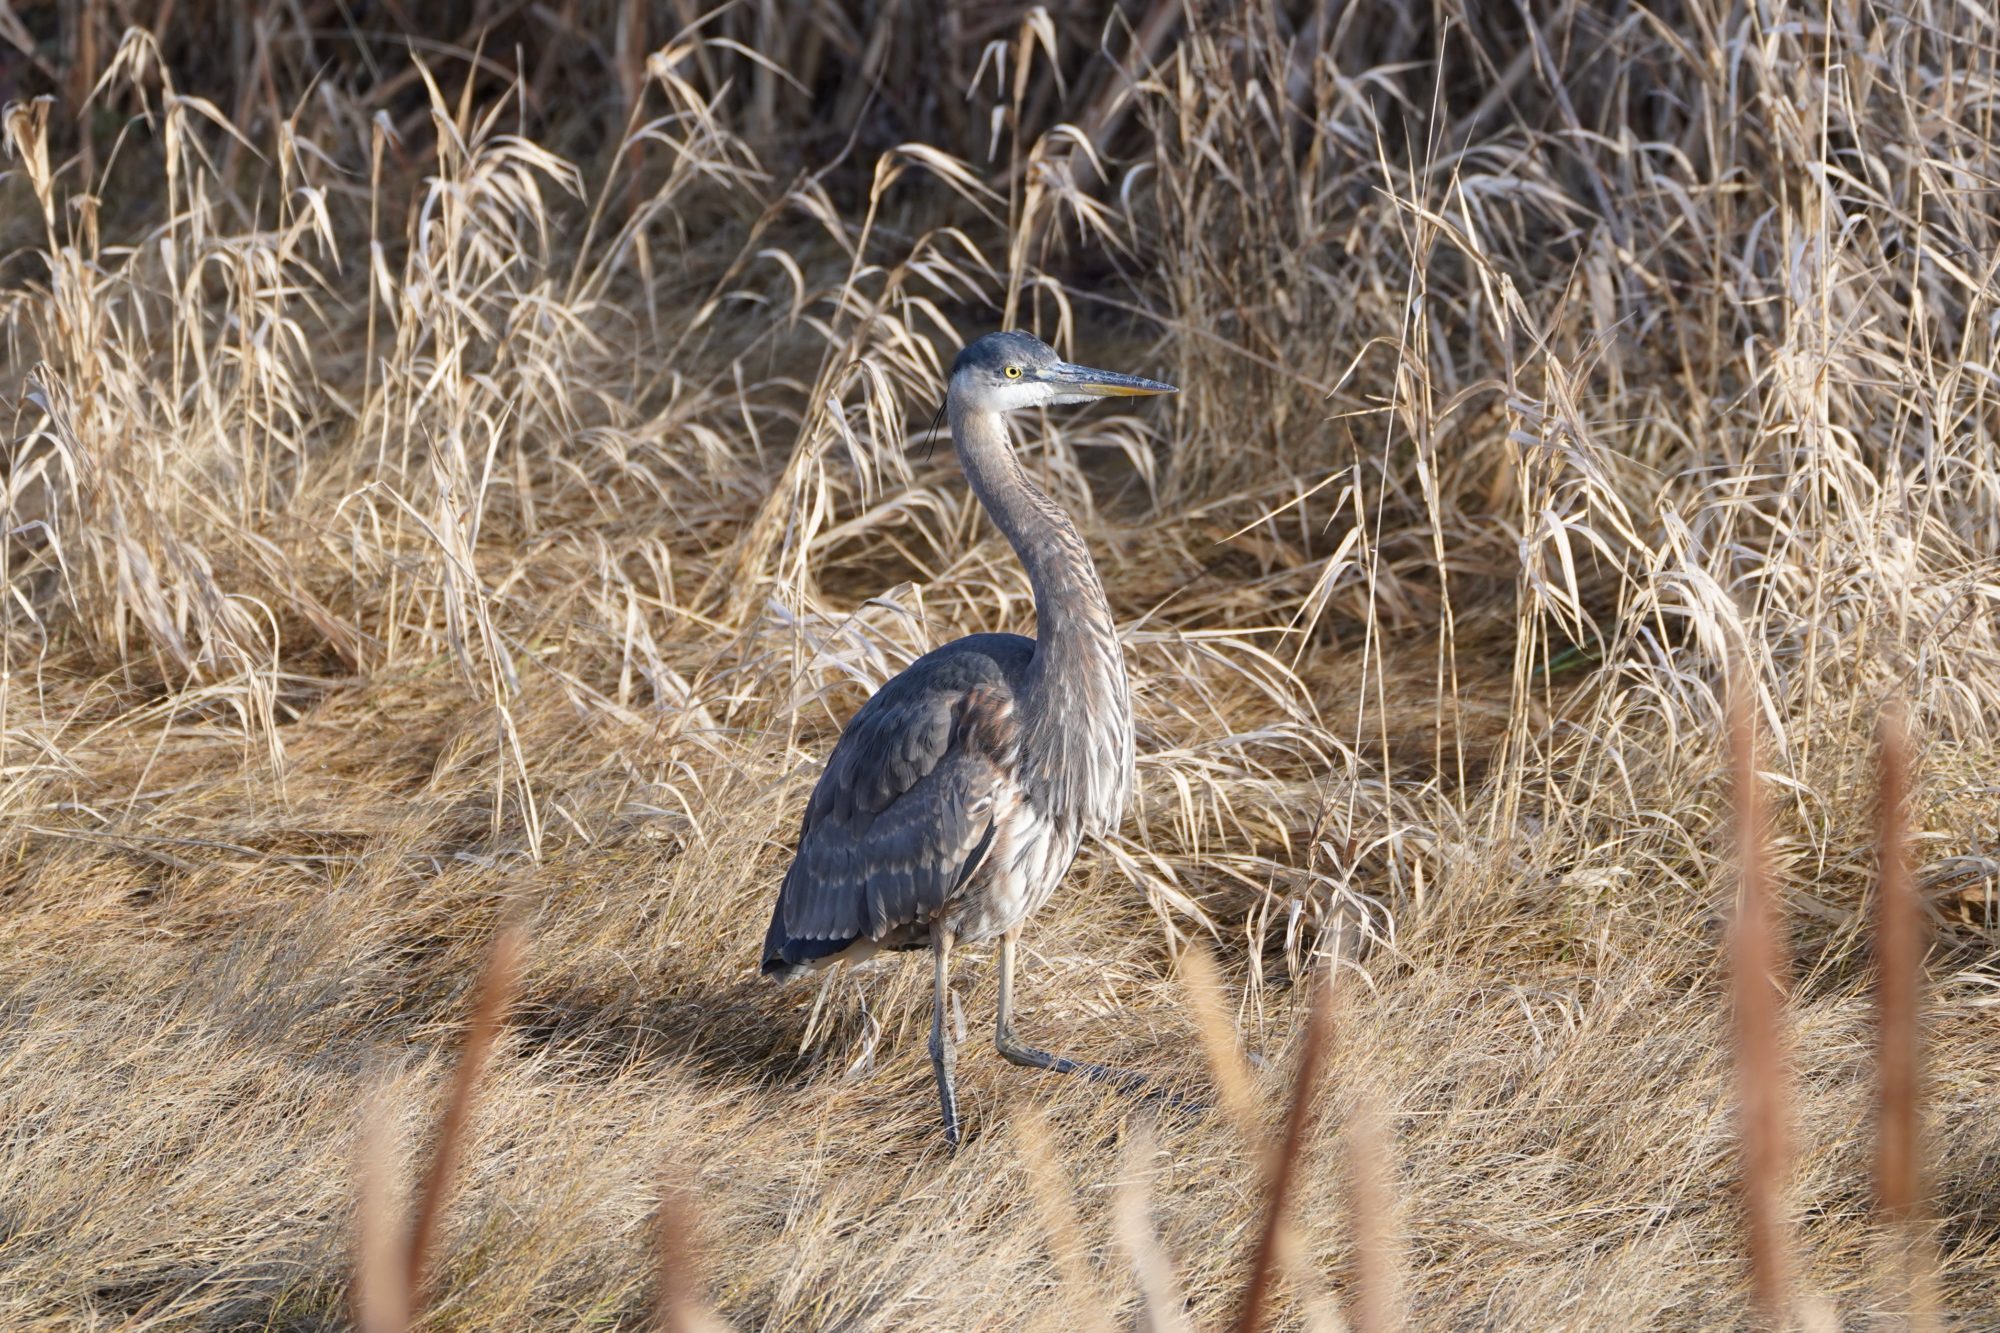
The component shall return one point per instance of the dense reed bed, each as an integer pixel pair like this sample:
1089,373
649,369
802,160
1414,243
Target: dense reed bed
462,468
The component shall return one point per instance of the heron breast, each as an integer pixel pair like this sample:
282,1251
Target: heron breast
1030,853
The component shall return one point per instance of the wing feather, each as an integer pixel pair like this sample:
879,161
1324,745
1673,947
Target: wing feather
904,810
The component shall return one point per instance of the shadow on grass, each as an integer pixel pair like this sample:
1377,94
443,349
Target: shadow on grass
730,1036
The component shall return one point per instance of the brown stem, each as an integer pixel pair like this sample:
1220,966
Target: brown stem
1284,1163
489,1010
1757,965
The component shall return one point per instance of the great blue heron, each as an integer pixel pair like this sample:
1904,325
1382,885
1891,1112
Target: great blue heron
957,796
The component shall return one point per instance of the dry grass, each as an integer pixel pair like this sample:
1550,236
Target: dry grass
469,478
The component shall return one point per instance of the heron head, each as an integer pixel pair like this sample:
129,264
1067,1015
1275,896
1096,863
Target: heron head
1004,372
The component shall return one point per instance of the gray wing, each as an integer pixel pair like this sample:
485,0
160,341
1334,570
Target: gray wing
904,810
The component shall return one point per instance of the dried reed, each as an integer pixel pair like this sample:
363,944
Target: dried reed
1377,1306
491,437
393,1290
1082,1292
1161,1306
489,1012
1283,1159
1758,968
1900,945
679,1303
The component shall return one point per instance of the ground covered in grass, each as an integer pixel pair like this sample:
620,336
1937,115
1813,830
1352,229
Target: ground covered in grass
468,476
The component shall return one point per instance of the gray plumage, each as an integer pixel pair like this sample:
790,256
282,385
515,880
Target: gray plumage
904,810
958,795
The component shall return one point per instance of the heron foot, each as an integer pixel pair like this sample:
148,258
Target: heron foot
1019,1053
1127,1081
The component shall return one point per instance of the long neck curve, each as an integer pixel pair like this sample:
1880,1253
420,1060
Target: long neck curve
1068,593
1081,711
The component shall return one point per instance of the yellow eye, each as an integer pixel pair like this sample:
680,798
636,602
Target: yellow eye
1013,372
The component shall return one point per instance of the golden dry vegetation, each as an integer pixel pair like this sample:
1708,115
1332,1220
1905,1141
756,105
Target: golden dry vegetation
467,475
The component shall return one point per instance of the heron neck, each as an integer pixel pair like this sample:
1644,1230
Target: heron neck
1070,609
1077,736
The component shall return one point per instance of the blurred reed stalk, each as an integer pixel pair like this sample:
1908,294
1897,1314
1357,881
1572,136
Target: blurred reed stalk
1285,1157
1899,960
1377,1306
1049,1182
678,1303
1161,1303
391,1296
1757,967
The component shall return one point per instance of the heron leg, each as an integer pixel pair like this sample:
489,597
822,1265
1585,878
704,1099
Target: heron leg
944,1057
1014,1051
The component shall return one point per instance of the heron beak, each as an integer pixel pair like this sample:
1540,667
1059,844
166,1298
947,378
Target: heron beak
1084,382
